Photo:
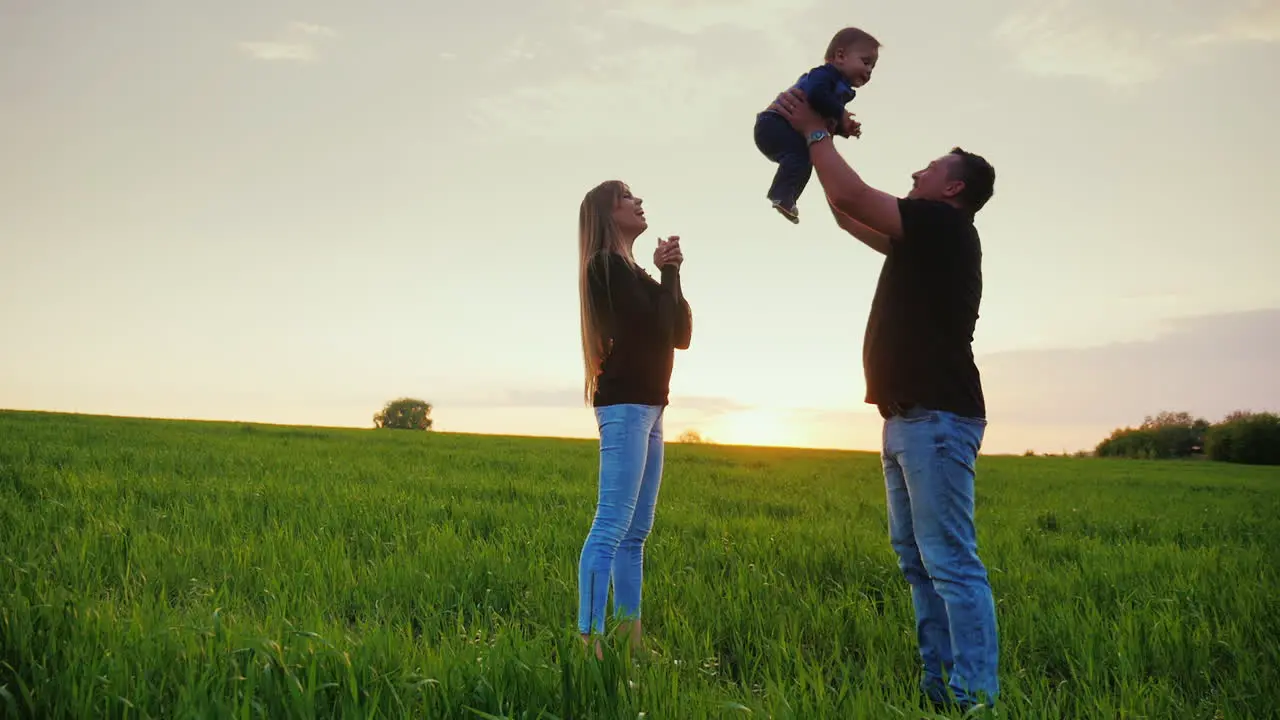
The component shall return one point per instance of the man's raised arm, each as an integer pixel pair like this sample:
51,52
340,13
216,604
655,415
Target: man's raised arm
877,241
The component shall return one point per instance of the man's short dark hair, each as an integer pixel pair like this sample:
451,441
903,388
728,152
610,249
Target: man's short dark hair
978,176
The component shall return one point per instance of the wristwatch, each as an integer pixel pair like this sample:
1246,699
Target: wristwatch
818,136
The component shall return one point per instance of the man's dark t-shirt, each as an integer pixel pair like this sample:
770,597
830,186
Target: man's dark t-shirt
918,347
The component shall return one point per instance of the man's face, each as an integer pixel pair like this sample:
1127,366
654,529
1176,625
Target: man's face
935,181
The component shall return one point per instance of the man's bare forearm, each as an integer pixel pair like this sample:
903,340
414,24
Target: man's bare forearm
850,195
877,241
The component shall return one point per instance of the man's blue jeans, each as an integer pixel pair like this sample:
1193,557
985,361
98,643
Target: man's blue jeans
929,462
631,454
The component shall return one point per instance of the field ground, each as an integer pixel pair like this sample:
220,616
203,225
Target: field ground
179,569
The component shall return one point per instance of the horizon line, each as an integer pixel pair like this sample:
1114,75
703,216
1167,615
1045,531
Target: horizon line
459,433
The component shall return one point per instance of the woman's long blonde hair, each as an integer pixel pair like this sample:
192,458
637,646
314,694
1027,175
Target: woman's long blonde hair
597,234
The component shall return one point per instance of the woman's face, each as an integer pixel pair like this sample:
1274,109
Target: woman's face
628,215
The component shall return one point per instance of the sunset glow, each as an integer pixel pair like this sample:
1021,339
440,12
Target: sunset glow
296,218
756,427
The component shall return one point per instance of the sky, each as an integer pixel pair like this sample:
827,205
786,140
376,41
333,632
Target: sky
293,212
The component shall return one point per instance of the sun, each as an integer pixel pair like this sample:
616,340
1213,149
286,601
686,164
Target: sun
759,426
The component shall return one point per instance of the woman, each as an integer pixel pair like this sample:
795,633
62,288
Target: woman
631,325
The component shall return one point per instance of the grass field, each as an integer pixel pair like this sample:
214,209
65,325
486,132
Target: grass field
172,570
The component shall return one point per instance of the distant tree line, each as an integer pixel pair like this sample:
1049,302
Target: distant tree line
1244,436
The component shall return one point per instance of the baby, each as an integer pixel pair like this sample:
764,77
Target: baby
851,56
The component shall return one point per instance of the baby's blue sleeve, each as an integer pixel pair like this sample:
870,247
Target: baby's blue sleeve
819,87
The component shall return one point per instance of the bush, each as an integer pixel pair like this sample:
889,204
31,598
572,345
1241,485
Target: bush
1246,438
1130,443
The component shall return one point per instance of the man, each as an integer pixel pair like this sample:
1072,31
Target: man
920,373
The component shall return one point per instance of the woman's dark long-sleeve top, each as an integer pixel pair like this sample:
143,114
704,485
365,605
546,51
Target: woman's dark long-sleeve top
642,323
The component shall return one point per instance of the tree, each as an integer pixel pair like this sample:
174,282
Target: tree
1246,437
692,437
1239,415
1178,433
404,414
1168,419
1167,435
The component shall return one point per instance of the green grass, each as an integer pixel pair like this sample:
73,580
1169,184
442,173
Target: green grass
176,569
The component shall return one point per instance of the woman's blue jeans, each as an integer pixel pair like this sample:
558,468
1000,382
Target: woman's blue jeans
631,453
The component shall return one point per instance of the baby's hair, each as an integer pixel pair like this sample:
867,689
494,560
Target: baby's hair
847,38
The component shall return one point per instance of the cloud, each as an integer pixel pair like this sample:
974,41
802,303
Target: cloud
570,398
709,405
631,92
1049,400
1127,42
1113,55
313,29
1061,399
1206,365
691,17
298,52
618,70
639,62
299,42
1083,39
518,50
1258,22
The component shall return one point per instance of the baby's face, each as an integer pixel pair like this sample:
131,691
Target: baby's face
856,63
